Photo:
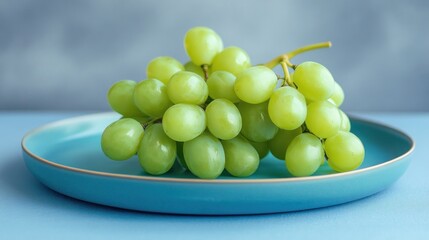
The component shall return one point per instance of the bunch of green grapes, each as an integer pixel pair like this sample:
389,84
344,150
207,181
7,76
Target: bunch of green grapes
217,112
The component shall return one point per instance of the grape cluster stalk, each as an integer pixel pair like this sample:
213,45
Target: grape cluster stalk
218,112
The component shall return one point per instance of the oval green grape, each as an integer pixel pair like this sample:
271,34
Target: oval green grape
281,141
120,98
345,151
241,159
304,155
323,119
202,44
231,59
157,152
338,95
191,67
314,81
255,84
223,119
287,108
187,87
204,156
162,68
150,96
345,122
256,123
221,85
121,139
184,122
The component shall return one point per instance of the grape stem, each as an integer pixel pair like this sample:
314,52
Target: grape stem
287,81
205,68
288,56
150,122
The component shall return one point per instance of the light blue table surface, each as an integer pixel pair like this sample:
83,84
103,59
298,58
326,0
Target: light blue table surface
30,210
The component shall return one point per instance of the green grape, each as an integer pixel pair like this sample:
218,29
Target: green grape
231,59
157,152
150,96
345,151
221,85
281,141
345,122
121,139
223,119
323,119
142,120
287,108
191,67
255,84
202,44
204,156
241,159
256,123
304,155
187,87
261,148
314,81
162,68
183,122
120,98
338,95
180,156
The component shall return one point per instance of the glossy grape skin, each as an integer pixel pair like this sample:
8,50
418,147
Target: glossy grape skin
261,148
191,67
241,159
162,68
157,152
281,141
223,119
256,123
255,84
121,139
179,155
323,119
202,44
187,87
314,81
120,98
345,122
345,151
221,85
150,96
287,108
304,155
231,59
204,156
142,120
184,122
338,95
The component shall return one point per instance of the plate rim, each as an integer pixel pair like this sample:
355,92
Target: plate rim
205,181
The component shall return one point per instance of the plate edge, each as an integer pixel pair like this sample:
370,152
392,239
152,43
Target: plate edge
212,181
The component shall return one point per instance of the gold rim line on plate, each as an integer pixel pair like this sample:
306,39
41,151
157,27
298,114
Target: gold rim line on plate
216,181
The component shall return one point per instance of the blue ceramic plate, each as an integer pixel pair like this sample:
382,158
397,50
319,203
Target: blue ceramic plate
66,156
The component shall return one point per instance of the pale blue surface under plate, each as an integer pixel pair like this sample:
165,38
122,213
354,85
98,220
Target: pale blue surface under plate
66,156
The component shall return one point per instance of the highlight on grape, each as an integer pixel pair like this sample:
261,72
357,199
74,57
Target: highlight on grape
218,112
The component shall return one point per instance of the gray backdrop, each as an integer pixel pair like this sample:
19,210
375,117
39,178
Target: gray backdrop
64,55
